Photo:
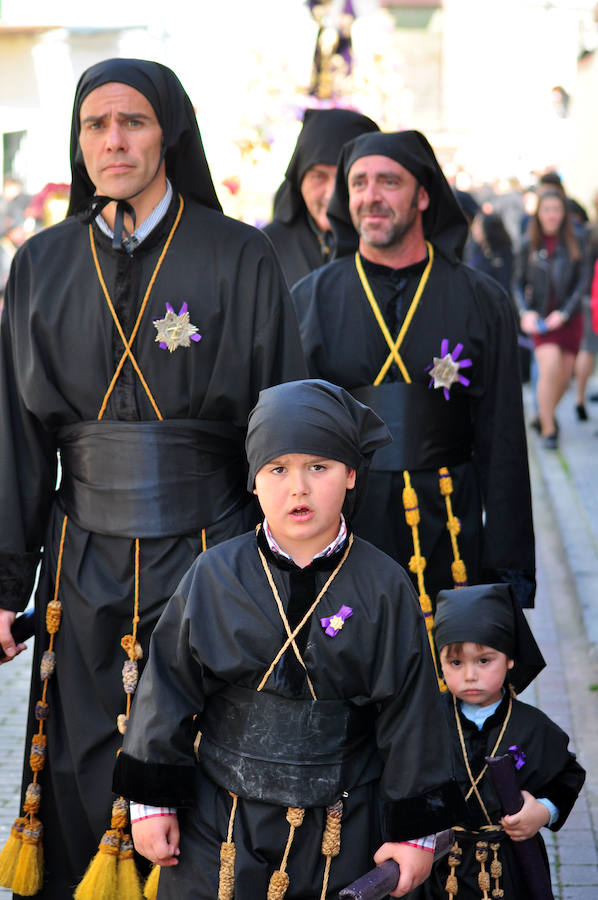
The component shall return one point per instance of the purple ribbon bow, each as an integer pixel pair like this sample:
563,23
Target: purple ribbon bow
333,624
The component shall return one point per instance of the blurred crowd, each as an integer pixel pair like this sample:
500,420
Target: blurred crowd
22,214
542,246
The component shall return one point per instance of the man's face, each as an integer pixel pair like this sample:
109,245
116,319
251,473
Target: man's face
385,201
121,141
316,188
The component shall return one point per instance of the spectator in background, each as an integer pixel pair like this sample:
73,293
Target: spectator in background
586,358
550,280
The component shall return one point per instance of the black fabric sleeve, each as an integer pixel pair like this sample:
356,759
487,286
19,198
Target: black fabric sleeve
155,784
564,790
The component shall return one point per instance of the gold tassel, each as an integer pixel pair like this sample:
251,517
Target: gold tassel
150,891
454,860
279,883
226,884
331,841
279,880
99,882
10,853
128,885
29,872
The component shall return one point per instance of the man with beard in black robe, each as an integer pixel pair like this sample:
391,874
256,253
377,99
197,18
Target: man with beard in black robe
431,345
304,654
136,337
300,230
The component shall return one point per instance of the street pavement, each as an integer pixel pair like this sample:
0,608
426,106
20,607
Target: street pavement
565,622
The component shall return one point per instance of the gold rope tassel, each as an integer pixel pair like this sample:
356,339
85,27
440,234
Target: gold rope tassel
279,880
454,860
21,860
481,855
29,870
150,891
10,853
331,840
226,883
458,570
128,885
417,564
99,882
496,872
100,879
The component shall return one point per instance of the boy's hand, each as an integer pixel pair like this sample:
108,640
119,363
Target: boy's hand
532,816
157,838
415,865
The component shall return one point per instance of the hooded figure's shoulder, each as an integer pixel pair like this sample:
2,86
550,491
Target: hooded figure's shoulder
324,279
213,228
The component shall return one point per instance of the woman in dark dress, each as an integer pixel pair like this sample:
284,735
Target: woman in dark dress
550,281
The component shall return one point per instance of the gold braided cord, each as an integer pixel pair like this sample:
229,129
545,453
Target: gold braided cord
204,542
417,564
307,615
285,621
22,857
453,526
394,346
474,783
226,877
331,841
128,343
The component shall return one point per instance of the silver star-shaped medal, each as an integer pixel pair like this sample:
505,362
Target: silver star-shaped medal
445,371
175,330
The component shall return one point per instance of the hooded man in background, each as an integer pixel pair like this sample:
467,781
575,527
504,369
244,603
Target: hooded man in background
136,337
300,230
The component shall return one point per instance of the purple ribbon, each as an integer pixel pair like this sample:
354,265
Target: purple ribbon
333,624
518,756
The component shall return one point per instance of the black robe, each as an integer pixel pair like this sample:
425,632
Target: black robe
550,771
343,343
297,246
60,349
222,627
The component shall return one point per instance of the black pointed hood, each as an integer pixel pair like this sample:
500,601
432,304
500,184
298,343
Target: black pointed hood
489,614
444,223
186,164
319,143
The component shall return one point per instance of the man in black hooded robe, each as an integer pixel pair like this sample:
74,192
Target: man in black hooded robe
300,230
136,336
444,377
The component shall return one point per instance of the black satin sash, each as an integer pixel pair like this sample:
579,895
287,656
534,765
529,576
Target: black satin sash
297,753
427,431
150,479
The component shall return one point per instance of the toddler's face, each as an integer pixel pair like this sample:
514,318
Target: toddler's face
474,673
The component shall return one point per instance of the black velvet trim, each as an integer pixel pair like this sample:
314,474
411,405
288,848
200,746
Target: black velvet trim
155,784
17,577
416,817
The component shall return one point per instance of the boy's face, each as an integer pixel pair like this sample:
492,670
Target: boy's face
475,673
302,497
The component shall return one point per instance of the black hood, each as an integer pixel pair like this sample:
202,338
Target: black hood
489,614
443,222
186,164
320,142
319,418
